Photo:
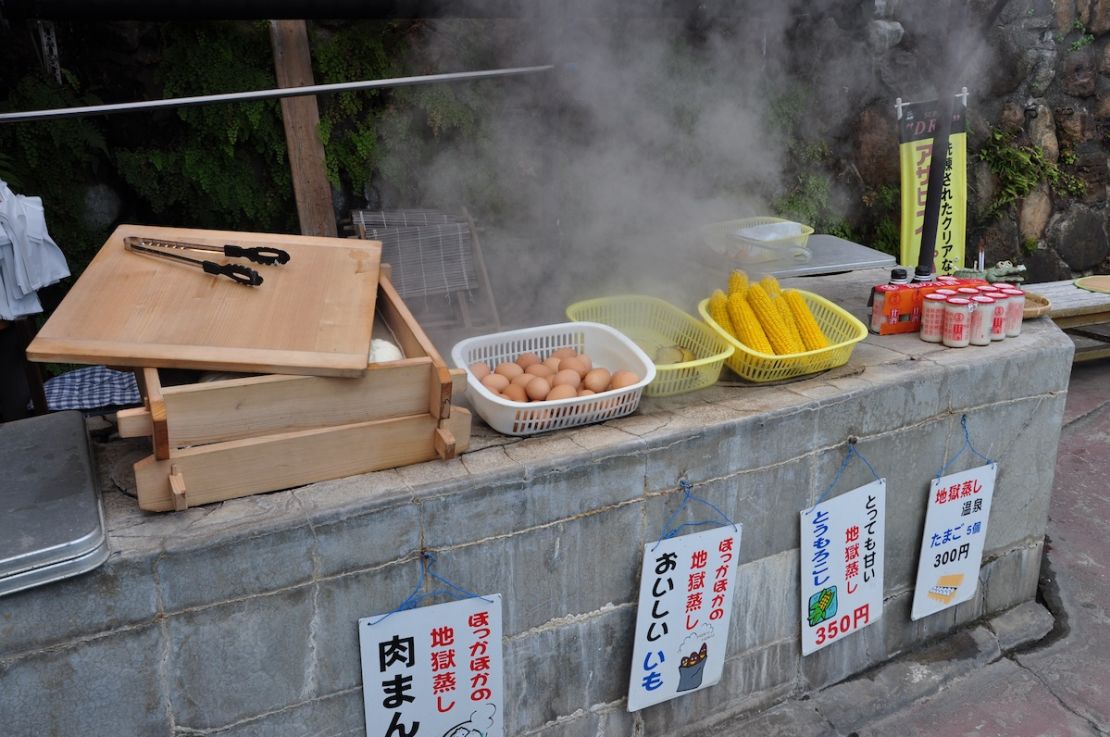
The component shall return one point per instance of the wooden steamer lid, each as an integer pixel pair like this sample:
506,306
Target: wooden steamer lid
311,316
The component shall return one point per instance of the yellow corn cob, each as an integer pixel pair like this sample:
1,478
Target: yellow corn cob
788,321
770,321
812,337
718,310
737,282
746,325
770,285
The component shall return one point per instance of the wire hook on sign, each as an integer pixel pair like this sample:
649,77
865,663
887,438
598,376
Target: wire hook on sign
687,497
427,560
966,446
852,452
451,586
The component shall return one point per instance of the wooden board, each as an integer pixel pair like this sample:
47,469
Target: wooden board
1069,301
1074,308
238,468
219,411
301,117
312,316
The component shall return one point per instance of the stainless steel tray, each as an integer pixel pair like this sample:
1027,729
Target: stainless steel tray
51,521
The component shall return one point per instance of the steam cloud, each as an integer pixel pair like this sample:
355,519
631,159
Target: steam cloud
650,127
479,724
694,640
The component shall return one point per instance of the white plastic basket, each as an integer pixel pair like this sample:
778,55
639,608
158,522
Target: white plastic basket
607,347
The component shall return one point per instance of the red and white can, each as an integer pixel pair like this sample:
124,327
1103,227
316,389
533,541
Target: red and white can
957,322
998,317
932,317
988,289
1015,309
968,292
981,320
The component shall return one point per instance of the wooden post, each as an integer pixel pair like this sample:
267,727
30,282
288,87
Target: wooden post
293,64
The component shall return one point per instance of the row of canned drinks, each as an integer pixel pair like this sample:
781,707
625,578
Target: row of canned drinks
976,315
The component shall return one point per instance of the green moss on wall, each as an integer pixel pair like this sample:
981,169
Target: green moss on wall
219,166
1020,167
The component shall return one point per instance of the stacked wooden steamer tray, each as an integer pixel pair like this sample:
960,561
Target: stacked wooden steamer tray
311,415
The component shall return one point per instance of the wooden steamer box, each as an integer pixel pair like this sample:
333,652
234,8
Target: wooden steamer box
235,437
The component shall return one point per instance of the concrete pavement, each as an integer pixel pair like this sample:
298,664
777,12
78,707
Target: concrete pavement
1040,670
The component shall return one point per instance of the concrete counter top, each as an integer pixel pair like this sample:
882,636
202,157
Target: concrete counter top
239,618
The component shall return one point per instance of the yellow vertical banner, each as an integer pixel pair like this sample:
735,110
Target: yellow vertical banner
917,122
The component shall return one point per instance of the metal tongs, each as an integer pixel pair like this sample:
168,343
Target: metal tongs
236,272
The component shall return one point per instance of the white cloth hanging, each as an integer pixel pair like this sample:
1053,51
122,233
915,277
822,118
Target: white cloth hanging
29,257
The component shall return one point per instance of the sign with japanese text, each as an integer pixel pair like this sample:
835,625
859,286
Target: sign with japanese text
435,671
686,588
917,125
952,545
842,565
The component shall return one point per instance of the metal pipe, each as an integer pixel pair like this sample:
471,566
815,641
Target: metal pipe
194,10
201,10
931,219
313,89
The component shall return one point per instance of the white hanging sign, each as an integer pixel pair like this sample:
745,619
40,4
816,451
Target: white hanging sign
686,589
435,670
952,545
842,565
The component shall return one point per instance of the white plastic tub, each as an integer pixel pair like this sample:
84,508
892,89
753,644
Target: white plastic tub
607,347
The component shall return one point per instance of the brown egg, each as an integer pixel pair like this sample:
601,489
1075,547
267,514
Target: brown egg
480,370
539,369
564,353
515,393
552,363
586,360
537,390
597,380
574,364
509,370
586,392
524,360
621,379
496,383
569,377
522,380
562,391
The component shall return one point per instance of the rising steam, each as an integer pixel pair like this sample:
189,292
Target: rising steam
651,126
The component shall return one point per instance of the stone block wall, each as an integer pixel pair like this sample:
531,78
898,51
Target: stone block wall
240,618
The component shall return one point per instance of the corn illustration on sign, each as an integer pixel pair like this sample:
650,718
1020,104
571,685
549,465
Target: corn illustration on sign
959,507
842,565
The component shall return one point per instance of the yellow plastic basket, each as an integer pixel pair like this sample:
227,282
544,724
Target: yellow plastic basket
842,330
653,323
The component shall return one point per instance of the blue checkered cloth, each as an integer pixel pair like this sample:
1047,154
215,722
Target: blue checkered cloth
93,387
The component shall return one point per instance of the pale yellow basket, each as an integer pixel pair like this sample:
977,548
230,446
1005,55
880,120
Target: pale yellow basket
651,323
838,325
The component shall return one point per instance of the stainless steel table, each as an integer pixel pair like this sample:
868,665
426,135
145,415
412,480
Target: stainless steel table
831,255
